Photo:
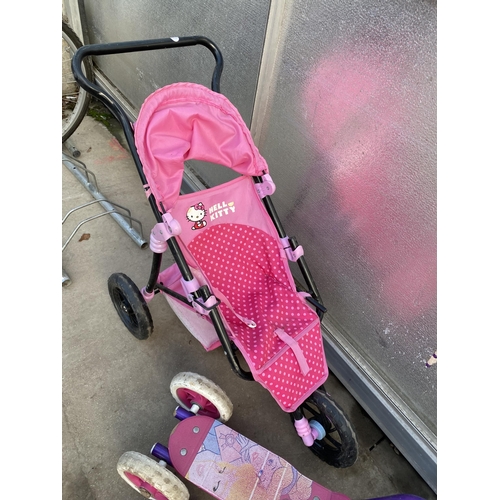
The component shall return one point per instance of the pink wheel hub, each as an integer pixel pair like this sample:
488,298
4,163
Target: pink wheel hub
189,398
145,489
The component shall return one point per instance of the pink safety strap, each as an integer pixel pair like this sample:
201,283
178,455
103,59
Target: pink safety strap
250,323
304,367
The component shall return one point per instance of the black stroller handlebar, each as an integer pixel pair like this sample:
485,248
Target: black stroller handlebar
140,46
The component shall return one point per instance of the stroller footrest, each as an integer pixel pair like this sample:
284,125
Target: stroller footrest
294,345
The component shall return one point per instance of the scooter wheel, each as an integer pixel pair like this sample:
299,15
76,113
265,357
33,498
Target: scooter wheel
149,478
130,305
339,446
190,388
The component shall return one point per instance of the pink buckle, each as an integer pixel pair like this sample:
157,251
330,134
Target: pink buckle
200,306
267,187
205,307
292,255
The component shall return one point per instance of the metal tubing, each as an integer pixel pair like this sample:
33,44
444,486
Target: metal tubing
88,219
66,280
155,271
304,269
226,345
141,46
92,189
75,152
179,259
176,295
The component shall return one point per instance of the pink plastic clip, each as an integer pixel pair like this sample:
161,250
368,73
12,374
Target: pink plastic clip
173,227
201,307
148,297
161,233
267,187
292,255
305,431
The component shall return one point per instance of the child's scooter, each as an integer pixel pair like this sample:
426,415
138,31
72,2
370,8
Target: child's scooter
216,458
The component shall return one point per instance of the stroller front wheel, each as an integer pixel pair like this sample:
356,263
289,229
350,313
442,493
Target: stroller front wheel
339,446
130,305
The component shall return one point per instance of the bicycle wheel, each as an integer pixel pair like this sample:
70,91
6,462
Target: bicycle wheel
75,100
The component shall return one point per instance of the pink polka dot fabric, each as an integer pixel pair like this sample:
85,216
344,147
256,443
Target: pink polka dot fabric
245,266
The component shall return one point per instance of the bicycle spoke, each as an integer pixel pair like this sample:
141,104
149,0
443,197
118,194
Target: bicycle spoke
333,442
75,100
311,410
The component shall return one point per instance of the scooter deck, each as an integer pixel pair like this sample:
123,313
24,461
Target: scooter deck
230,466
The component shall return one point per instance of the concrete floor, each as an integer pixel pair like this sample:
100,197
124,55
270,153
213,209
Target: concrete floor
115,389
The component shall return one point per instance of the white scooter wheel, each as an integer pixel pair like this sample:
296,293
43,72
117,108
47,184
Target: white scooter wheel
149,478
190,389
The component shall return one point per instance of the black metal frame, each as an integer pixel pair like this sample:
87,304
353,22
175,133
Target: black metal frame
153,286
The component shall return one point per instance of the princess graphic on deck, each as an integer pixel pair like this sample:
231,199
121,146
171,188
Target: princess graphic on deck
196,214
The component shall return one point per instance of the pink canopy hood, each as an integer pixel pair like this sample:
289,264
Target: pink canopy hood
185,121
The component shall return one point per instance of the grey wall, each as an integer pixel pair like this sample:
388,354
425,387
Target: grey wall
340,97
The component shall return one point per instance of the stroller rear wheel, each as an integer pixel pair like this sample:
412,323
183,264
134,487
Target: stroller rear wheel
149,478
339,447
130,305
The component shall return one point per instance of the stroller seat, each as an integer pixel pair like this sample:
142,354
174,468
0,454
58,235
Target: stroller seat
229,240
284,348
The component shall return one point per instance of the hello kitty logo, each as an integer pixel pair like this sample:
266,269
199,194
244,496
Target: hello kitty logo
196,214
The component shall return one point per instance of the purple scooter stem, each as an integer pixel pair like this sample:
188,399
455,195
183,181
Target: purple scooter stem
181,413
161,453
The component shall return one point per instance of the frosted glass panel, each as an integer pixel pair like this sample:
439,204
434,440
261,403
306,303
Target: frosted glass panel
349,132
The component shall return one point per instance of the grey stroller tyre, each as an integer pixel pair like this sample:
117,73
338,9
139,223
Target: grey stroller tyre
75,100
339,447
148,477
130,305
189,388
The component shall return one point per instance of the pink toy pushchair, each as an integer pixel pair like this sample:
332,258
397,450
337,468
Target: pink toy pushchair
231,283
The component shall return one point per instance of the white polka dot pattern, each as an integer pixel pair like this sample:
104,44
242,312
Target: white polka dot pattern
245,264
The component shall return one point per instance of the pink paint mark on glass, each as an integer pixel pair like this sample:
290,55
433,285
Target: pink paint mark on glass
356,116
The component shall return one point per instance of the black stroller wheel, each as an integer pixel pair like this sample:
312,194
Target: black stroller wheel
130,305
339,447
